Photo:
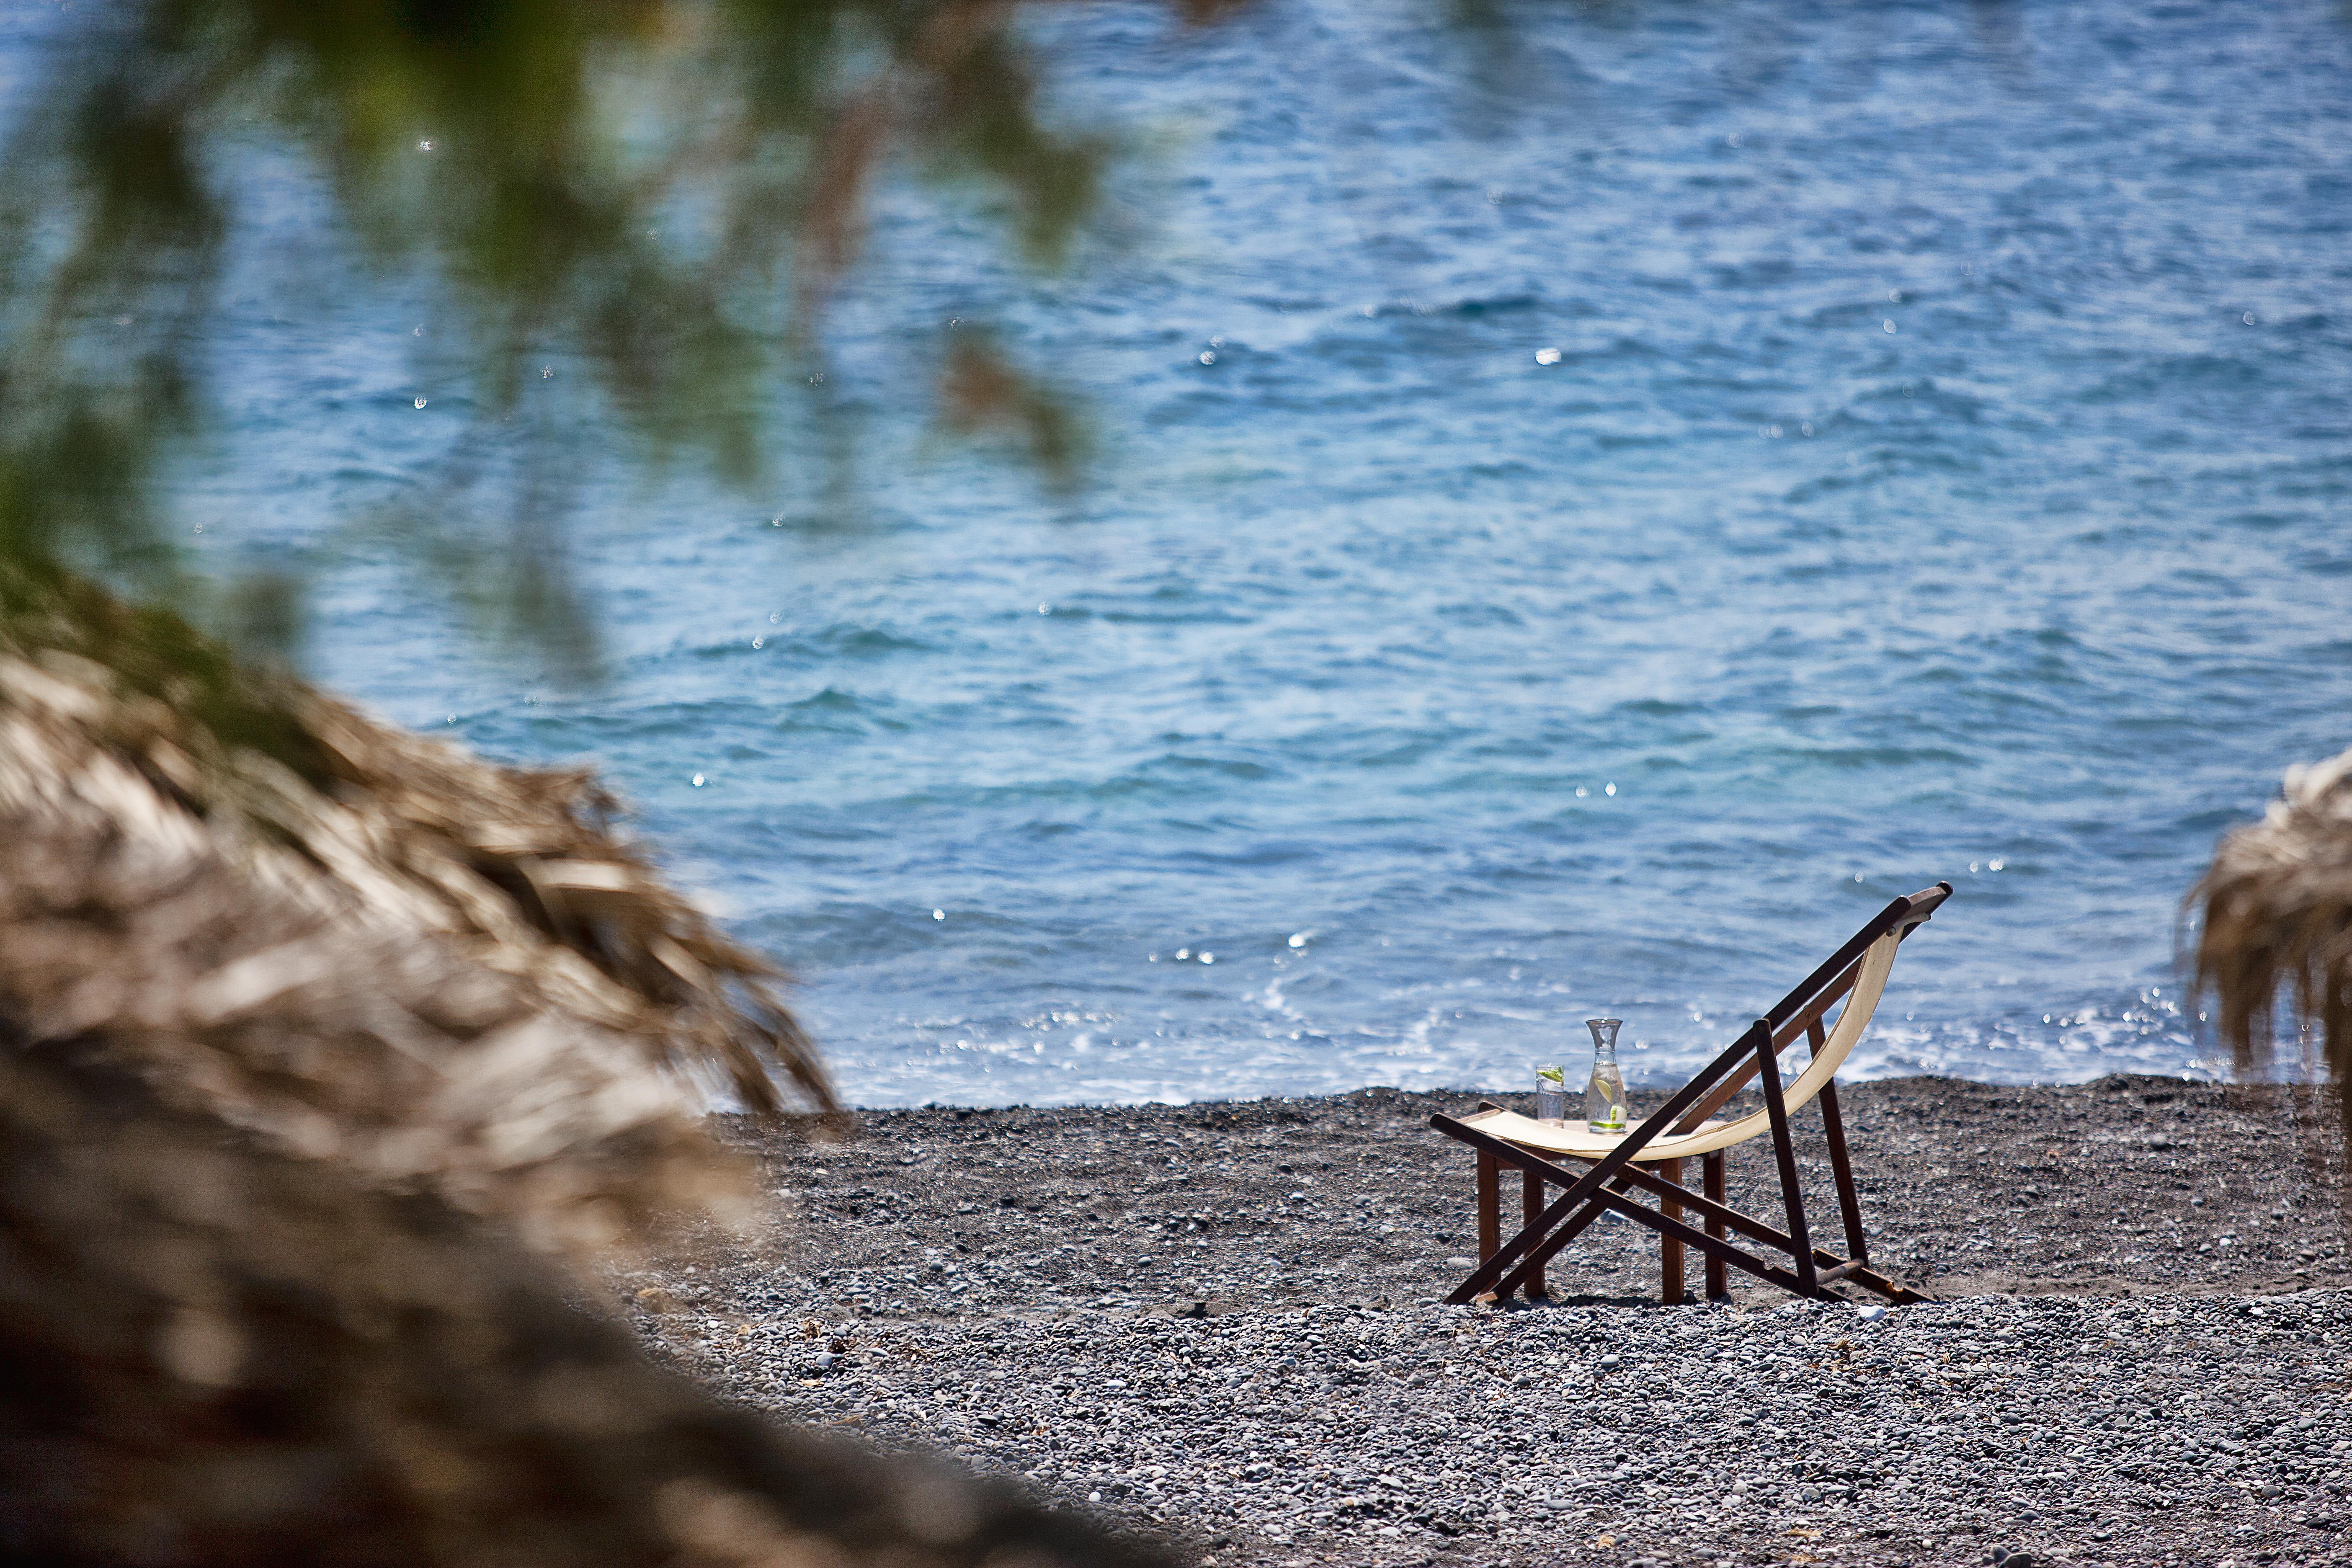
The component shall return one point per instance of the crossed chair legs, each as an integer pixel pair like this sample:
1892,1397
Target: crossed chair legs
1670,1286
1518,1264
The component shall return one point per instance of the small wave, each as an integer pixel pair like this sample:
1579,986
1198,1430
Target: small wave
2171,375
832,699
846,643
1855,759
1496,305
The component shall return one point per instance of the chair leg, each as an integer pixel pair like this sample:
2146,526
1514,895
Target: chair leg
1670,1252
1784,1154
1719,1276
1849,1200
1833,1129
1490,1207
1531,1208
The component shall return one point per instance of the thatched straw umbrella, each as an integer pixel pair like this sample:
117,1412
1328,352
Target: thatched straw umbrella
2277,908
356,944
327,1055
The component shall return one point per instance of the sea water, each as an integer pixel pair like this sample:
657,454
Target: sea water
1582,516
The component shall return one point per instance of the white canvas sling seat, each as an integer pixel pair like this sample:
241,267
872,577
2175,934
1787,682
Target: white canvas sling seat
1575,1141
1647,1157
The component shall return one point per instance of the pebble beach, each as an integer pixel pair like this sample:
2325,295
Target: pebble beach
1221,1325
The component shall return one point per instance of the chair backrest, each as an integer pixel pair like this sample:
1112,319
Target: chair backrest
1871,970
1813,994
1857,971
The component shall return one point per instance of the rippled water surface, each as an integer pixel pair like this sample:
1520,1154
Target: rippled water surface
1582,522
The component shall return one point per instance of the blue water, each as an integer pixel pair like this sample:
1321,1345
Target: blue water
1579,526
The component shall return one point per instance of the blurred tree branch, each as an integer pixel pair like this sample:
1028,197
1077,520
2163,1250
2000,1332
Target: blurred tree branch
663,193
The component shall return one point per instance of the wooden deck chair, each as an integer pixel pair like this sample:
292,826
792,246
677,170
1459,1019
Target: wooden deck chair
1648,1156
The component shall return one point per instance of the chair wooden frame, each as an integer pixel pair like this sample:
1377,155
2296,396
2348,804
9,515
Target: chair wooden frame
1856,974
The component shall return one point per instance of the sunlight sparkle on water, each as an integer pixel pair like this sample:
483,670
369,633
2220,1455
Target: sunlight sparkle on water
1374,592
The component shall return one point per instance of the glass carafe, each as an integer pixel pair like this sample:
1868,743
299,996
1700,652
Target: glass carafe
1604,1095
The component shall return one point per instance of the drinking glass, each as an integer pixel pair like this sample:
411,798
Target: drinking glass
1551,1095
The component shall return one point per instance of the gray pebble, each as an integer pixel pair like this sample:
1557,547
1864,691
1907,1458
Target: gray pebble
1222,1324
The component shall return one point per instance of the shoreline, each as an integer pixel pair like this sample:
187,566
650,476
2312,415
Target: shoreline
1219,1321
1657,1089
